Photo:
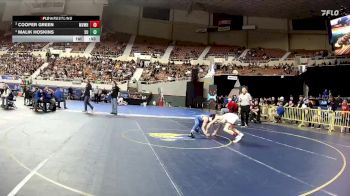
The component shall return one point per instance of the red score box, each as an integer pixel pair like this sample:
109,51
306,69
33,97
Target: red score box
95,24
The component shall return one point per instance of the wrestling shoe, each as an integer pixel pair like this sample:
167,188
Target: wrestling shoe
238,138
191,135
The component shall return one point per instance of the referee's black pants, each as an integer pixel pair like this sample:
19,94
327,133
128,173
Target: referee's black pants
245,109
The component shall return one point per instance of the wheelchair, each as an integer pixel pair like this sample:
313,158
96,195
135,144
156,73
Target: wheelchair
10,103
45,106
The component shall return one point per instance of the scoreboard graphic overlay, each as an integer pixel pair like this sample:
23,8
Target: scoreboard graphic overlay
56,29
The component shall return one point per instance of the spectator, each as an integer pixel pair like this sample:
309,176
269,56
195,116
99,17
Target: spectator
279,113
256,112
301,101
332,105
231,107
345,115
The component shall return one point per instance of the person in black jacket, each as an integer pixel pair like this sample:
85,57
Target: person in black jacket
88,88
114,95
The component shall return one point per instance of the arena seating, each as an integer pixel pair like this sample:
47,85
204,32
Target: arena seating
155,72
26,47
97,69
112,44
19,64
76,47
264,54
251,70
307,53
224,51
5,41
187,51
150,46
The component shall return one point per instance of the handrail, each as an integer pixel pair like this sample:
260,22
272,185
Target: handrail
304,116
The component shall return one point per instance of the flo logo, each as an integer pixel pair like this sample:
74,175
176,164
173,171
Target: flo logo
170,137
330,12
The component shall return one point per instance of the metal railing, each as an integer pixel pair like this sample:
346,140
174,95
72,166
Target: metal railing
304,116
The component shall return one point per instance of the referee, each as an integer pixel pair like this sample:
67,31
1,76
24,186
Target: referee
244,100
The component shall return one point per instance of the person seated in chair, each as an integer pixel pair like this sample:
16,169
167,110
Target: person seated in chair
59,97
37,98
6,95
255,111
48,97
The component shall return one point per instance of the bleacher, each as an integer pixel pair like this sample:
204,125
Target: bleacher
187,51
112,44
150,46
224,51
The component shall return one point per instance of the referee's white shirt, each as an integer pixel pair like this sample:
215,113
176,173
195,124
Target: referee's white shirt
245,99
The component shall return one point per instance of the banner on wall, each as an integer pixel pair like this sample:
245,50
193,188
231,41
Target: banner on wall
224,25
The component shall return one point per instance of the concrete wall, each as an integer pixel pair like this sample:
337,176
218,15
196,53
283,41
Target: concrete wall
155,28
84,7
269,23
195,17
309,41
187,32
121,18
233,38
267,40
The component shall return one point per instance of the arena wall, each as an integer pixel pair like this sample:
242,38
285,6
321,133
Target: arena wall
280,24
267,40
155,28
121,18
14,8
187,32
182,26
194,17
309,41
83,7
232,38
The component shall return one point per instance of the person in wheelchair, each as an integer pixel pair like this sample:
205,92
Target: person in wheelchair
48,98
59,97
7,98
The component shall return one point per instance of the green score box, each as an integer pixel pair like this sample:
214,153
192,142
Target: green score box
95,31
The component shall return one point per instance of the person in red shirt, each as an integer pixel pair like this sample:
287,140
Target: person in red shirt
345,115
231,107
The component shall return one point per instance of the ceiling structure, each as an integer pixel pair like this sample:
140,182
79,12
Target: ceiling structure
265,8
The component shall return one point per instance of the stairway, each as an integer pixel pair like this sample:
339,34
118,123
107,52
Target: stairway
285,56
204,53
128,48
90,48
137,74
244,53
167,53
47,46
37,72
